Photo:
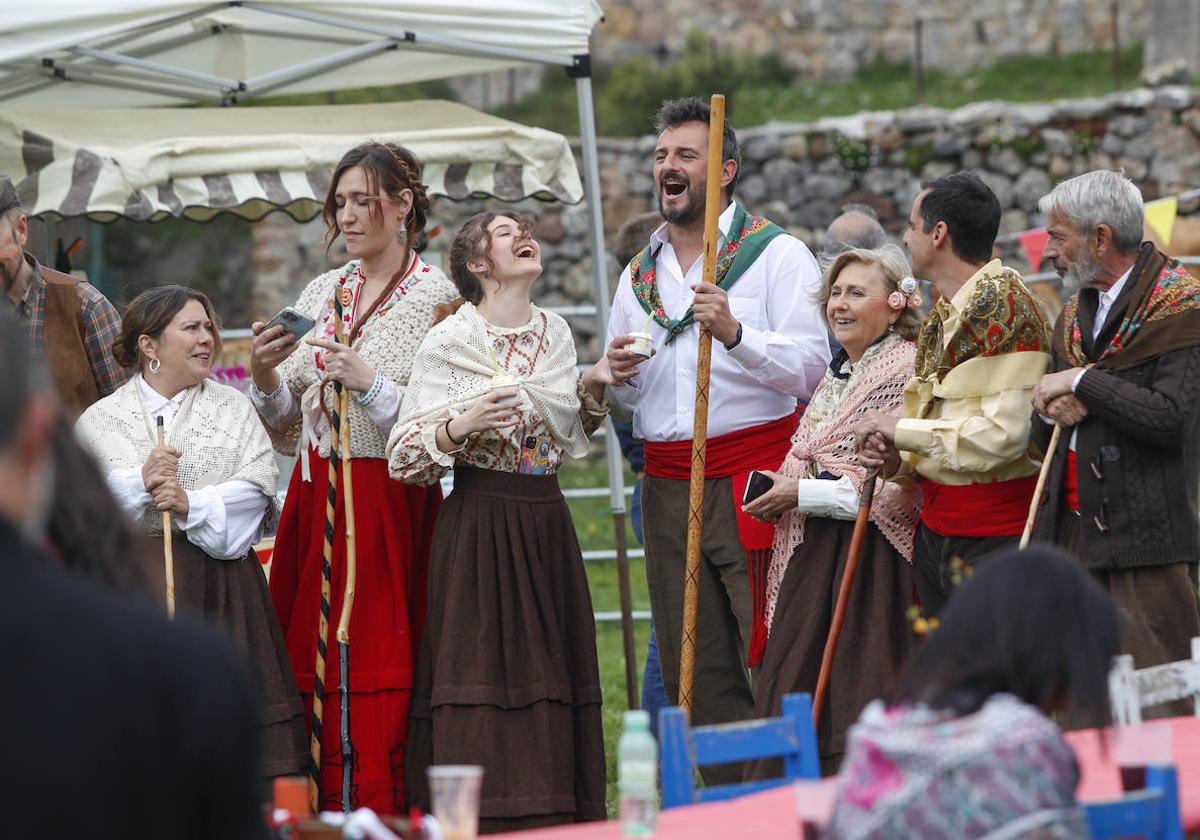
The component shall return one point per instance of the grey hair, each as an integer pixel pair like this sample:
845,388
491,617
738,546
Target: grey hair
865,236
862,209
1103,197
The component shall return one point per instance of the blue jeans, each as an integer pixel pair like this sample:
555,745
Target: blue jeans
654,696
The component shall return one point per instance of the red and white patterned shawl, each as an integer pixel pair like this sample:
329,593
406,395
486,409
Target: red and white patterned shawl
825,441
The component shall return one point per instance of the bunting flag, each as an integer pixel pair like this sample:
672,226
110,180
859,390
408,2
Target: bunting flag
1034,243
1160,215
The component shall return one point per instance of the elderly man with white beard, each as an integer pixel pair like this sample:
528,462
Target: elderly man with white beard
1121,491
769,351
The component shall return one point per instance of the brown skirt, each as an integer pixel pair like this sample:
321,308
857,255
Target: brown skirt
233,594
507,676
875,639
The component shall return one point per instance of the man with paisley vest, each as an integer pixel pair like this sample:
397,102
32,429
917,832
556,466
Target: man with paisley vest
769,352
965,433
1121,491
69,321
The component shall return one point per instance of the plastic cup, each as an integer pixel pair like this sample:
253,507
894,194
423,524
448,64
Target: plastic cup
1139,747
643,344
504,382
454,791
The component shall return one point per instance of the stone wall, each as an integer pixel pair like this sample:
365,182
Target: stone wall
800,174
824,39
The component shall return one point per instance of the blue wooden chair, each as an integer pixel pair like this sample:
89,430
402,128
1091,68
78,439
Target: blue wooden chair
1152,813
684,748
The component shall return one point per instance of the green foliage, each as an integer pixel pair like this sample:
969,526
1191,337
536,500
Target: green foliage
853,155
1027,145
915,157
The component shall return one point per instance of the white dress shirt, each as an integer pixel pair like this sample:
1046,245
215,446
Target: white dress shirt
1106,301
781,358
223,520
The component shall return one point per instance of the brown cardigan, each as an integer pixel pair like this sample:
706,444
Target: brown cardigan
1137,451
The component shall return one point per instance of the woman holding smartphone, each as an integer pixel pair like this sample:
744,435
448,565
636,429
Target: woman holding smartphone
507,677
870,305
386,296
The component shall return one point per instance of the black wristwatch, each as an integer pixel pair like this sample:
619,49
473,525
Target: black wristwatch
737,339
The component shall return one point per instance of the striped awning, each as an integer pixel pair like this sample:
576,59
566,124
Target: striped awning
149,164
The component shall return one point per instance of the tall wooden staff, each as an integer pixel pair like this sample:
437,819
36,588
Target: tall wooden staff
1041,485
168,551
343,630
691,588
839,610
331,493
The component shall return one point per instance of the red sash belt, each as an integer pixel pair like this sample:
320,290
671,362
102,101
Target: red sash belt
1071,481
733,456
997,509
757,448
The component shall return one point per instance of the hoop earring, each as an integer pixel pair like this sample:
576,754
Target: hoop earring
155,365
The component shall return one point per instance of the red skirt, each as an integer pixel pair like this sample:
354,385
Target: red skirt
394,528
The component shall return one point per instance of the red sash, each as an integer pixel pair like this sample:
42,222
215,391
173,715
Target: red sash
997,509
1071,481
733,456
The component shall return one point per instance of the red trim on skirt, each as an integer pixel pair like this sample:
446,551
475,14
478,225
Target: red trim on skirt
394,528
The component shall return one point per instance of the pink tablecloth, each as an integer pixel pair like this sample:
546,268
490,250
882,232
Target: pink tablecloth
770,815
1100,778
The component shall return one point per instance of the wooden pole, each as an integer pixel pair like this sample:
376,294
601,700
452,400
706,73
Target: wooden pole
1041,485
168,551
343,629
843,598
691,588
631,680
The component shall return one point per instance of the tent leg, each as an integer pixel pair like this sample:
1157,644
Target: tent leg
616,481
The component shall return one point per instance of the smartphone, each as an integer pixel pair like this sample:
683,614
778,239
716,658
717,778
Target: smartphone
293,321
756,486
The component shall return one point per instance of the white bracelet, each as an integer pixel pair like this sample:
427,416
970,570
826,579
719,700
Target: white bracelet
376,387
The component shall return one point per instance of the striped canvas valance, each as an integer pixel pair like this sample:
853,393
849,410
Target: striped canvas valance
194,163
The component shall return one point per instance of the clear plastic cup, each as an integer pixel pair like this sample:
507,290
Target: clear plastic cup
454,791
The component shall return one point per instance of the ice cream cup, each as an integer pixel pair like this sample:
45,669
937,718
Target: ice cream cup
643,344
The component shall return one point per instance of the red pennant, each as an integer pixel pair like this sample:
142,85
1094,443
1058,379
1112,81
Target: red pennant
1034,243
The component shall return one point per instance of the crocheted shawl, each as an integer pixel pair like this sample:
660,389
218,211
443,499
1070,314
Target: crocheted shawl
216,428
1163,315
824,440
454,362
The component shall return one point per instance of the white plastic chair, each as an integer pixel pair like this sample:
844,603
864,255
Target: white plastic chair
1130,690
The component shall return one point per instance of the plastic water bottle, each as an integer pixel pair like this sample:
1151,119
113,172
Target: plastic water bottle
637,776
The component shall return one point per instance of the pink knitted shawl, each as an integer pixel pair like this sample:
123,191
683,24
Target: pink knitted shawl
825,441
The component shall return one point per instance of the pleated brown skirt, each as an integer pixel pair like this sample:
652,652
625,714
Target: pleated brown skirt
233,595
875,640
507,676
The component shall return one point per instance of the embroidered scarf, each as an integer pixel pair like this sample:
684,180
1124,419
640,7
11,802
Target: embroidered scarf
1163,314
748,237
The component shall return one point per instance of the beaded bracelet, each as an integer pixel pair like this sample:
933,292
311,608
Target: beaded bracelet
376,387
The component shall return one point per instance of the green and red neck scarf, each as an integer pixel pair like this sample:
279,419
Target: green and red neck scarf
1163,315
748,237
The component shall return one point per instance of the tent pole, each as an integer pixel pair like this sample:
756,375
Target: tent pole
581,72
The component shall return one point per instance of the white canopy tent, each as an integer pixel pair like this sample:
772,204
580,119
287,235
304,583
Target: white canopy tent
154,163
137,53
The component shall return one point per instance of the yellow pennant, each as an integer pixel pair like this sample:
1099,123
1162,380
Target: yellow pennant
1160,215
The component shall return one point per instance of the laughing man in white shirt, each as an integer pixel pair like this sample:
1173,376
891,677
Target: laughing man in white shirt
769,352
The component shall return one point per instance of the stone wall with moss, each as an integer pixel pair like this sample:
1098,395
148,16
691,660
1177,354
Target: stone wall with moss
800,174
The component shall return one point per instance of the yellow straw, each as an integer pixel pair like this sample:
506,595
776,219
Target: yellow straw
646,326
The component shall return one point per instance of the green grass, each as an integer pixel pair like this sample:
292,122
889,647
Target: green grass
593,523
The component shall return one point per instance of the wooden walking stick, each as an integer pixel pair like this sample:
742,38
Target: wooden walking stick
168,552
691,588
343,630
331,494
1040,486
843,598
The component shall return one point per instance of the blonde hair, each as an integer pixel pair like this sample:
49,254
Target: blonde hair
895,267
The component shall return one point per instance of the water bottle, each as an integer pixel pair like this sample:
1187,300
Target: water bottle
637,776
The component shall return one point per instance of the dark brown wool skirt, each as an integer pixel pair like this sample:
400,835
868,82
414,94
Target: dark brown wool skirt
507,676
875,640
233,594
